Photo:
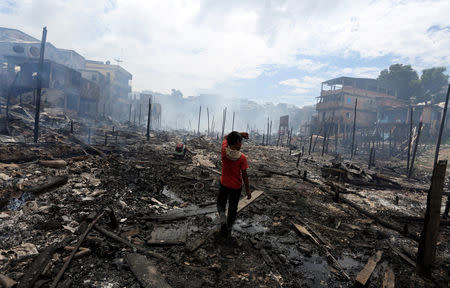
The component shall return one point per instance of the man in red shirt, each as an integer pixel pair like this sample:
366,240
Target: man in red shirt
234,165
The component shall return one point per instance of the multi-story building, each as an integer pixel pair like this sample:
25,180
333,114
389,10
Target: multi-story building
89,87
338,96
118,87
15,43
118,78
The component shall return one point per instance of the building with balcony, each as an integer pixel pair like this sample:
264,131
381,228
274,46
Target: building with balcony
336,102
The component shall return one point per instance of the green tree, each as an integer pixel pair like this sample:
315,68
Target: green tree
433,83
402,78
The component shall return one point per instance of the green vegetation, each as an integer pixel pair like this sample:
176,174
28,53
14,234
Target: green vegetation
431,86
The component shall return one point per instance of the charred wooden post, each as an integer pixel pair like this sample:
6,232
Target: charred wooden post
207,116
149,117
298,159
354,127
106,138
428,238
441,129
39,85
232,123
71,126
270,132
315,141
370,157
324,139
199,116
415,150
140,108
223,121
373,157
336,131
129,115
34,98
310,143
262,143
290,137
410,136
89,135
390,142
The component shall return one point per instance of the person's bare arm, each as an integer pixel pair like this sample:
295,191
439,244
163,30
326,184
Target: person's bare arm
247,187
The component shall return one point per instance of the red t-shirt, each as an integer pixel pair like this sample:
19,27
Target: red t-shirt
231,170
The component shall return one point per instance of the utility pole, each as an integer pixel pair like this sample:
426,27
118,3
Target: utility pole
39,85
354,127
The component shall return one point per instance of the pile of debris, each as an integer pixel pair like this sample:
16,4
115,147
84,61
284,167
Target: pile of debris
126,213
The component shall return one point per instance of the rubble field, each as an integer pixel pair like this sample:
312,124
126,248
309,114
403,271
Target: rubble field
132,215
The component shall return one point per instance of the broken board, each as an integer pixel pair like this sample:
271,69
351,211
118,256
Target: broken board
389,278
146,272
181,215
242,204
367,271
305,232
164,235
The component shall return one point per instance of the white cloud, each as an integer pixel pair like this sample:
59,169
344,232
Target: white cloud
306,85
194,45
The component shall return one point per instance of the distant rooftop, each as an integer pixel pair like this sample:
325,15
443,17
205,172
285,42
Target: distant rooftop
14,35
352,81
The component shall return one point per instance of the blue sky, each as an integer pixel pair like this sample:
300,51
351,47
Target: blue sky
277,51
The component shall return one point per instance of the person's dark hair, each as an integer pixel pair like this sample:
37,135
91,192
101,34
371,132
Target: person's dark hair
233,138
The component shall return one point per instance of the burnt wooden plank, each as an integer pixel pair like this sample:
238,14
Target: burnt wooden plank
304,231
146,272
168,236
364,275
35,270
389,278
181,215
51,183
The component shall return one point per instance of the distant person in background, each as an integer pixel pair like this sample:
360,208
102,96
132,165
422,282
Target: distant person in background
234,172
180,150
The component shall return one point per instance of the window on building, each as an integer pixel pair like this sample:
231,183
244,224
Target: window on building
349,100
347,115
